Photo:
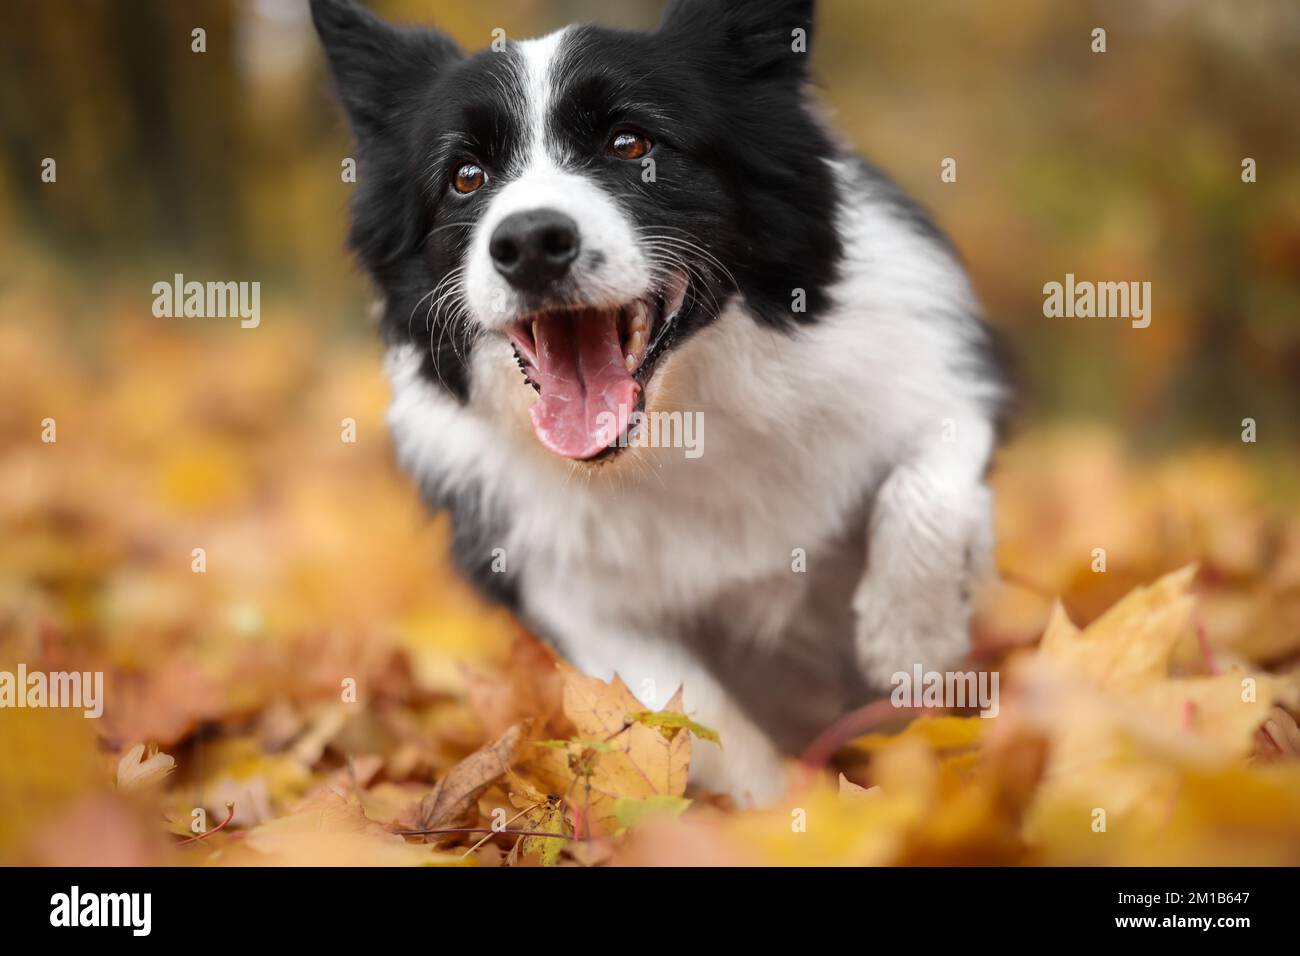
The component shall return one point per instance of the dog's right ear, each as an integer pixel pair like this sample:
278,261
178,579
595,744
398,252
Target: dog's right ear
770,38
376,65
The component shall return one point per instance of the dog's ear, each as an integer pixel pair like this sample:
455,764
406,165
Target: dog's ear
374,64
772,38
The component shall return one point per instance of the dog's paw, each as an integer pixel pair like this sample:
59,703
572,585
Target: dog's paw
904,623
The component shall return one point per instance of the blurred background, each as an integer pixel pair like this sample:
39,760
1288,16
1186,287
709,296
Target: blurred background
1123,165
176,434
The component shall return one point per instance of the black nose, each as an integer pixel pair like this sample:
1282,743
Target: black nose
534,248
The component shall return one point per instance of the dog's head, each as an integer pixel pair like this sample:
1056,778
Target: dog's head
591,198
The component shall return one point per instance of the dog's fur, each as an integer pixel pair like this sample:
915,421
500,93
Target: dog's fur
833,528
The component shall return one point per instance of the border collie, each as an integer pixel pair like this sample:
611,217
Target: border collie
571,234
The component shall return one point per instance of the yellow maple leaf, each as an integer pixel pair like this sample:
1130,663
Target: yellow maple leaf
613,755
1131,644
1125,733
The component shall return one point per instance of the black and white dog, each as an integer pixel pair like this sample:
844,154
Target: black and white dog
574,233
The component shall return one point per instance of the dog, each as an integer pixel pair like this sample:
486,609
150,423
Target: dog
575,234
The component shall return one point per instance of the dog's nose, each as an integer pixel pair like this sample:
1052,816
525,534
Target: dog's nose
534,248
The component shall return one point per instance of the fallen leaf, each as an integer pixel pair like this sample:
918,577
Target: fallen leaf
669,723
852,791
643,762
548,817
453,803
529,686
941,733
633,812
135,770
328,829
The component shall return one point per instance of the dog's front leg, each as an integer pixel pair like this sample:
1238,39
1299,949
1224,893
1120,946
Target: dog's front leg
930,542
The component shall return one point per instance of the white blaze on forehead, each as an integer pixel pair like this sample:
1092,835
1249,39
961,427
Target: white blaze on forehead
611,268
539,57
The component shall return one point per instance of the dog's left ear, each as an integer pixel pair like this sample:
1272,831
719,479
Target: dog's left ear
773,38
376,65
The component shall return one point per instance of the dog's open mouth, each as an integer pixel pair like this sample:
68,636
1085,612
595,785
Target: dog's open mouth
590,366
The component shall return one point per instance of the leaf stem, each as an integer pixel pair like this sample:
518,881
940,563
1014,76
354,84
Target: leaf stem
230,815
503,830
488,830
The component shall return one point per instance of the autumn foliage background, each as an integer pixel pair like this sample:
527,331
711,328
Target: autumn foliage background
224,687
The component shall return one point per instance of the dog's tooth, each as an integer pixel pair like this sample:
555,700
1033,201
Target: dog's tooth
630,362
634,347
638,322
534,332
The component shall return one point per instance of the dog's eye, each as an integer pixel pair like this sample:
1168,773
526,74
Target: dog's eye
629,145
469,178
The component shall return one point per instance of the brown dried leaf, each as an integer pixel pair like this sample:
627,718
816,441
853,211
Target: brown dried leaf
453,803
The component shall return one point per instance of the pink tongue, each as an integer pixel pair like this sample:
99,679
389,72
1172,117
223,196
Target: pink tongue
587,393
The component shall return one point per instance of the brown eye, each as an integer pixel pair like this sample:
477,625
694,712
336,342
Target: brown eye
628,145
469,178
